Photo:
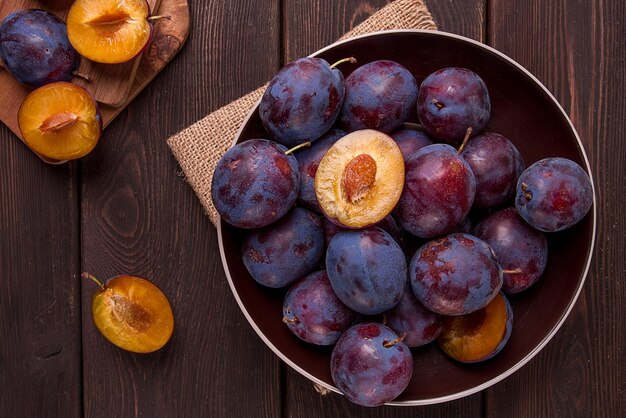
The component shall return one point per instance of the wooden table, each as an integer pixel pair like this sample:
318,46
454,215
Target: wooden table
126,208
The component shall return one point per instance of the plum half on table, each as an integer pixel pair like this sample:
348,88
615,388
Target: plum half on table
60,121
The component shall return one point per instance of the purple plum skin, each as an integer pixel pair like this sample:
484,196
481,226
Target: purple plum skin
450,101
410,140
409,316
35,49
367,270
553,194
255,183
365,371
302,101
455,275
314,313
380,95
496,164
517,245
308,161
280,254
439,190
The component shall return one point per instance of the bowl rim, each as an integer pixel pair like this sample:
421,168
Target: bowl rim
546,339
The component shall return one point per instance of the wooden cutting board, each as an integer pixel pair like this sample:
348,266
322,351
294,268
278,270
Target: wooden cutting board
113,86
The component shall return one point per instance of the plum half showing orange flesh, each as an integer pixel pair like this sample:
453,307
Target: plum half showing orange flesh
360,178
60,121
132,313
109,31
480,335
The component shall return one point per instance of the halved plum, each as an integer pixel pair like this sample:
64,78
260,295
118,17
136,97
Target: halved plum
60,121
480,335
360,179
109,31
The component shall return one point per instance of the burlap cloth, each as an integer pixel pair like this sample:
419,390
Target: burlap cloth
199,147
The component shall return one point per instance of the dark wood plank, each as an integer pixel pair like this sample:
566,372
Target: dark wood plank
577,50
39,285
140,217
323,24
466,18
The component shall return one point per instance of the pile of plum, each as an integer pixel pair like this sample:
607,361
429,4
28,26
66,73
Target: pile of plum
388,234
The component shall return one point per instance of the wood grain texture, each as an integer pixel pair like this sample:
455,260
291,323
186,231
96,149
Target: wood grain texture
40,348
324,23
466,18
577,50
140,217
169,37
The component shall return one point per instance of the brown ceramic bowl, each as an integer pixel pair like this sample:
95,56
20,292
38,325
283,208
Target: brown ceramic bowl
524,111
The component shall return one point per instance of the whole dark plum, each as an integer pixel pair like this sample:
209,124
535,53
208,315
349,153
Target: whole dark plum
367,269
410,140
380,95
450,101
439,189
302,101
553,194
370,365
314,313
35,49
409,316
455,275
308,161
517,246
496,164
255,183
279,254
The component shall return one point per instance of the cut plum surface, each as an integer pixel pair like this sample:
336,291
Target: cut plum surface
132,313
480,335
60,121
360,178
109,31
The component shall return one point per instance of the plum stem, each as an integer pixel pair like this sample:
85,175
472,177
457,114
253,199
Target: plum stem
159,17
514,271
290,321
467,136
86,275
351,60
438,104
297,147
81,75
528,195
412,126
400,338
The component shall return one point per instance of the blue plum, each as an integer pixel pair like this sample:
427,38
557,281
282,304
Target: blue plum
314,313
380,95
496,164
279,254
553,194
308,161
450,101
35,49
455,275
255,183
370,364
302,101
522,251
439,189
410,140
410,317
367,269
